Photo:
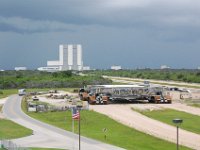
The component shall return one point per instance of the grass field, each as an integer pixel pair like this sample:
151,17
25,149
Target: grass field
6,93
92,124
11,130
195,105
190,122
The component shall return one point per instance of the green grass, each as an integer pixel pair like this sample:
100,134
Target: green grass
11,130
195,105
190,122
92,124
6,93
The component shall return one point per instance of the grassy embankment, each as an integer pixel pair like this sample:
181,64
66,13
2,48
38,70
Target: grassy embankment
11,130
5,93
117,134
195,105
190,122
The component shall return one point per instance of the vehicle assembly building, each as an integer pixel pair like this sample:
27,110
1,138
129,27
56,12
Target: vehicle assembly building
70,58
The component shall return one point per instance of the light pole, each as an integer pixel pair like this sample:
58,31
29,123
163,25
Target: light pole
79,105
177,122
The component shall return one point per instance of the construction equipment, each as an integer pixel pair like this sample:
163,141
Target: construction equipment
93,96
102,94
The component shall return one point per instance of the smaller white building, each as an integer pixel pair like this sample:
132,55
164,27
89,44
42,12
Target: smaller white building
116,68
198,68
86,68
20,68
49,69
164,67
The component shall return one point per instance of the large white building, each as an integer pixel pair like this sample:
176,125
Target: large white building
70,58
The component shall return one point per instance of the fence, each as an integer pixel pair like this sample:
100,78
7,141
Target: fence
9,145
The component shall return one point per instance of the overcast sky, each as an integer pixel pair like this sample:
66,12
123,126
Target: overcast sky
130,33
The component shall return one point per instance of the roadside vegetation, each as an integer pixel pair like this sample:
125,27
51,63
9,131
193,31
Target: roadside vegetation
92,125
190,122
11,130
5,93
38,79
195,105
191,76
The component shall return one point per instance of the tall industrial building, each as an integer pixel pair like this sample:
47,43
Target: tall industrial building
70,58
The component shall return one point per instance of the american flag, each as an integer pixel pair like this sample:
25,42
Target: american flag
75,113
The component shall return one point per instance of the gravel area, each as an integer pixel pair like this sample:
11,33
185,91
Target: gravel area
124,114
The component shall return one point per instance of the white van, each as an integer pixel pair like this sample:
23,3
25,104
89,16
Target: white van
21,92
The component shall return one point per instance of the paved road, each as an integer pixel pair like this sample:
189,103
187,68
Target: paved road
45,135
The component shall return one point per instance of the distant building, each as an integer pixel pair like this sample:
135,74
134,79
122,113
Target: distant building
20,68
164,67
198,68
48,69
70,58
116,68
86,68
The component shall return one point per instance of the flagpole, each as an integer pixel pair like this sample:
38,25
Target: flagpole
73,139
79,127
73,132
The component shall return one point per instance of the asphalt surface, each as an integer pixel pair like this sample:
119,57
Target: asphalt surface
45,135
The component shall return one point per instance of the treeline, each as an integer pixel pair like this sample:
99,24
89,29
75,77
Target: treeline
191,76
38,79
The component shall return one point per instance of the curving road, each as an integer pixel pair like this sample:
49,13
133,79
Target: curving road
45,135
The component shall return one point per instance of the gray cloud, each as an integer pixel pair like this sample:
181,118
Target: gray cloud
128,31
125,13
23,25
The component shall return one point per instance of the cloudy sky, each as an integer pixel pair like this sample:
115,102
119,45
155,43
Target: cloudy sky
130,33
